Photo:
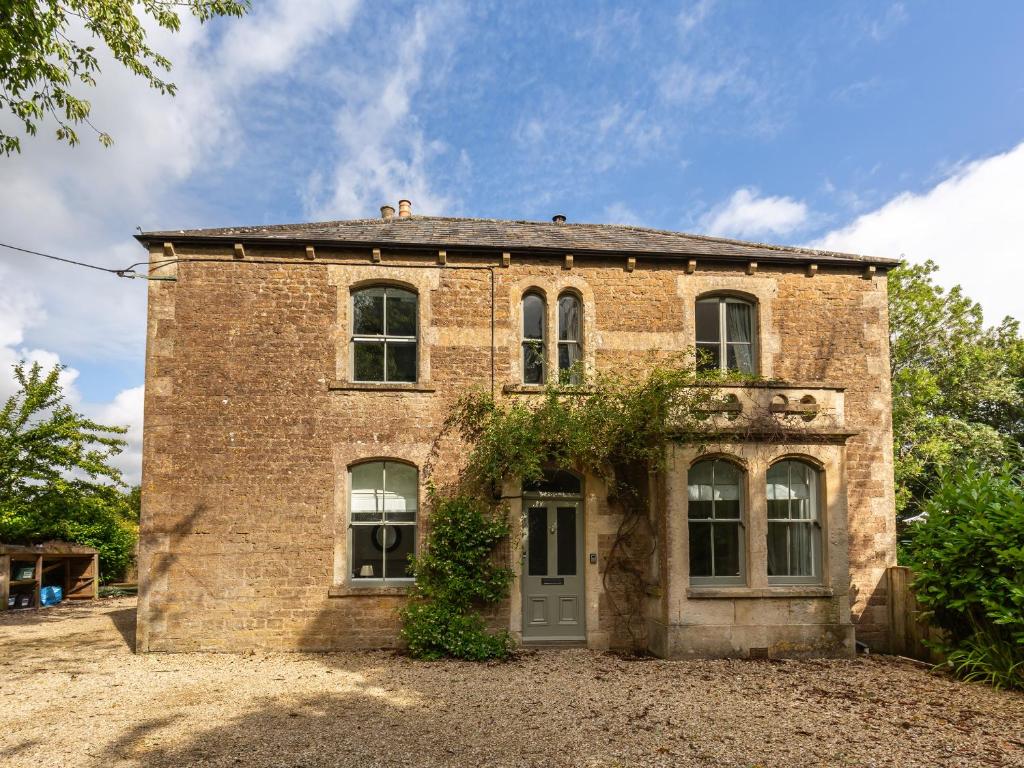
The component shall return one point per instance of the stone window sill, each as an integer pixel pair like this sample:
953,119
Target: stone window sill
348,590
540,389
337,385
733,593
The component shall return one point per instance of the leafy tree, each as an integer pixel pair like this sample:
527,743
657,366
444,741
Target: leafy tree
958,386
56,480
968,558
48,46
42,440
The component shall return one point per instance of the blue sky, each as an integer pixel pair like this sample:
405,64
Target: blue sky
892,128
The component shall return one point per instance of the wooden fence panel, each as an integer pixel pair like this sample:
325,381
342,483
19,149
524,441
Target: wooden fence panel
907,628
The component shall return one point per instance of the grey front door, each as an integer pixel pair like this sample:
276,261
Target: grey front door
553,605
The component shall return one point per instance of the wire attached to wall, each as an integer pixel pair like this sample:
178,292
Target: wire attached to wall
128,271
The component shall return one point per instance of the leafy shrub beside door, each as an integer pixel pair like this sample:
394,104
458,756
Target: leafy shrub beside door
457,576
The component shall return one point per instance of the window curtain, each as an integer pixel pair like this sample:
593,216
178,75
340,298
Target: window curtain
739,334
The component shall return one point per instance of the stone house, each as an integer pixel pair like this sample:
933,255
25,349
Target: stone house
297,380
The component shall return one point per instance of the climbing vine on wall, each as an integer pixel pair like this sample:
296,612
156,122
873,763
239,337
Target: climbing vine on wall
615,426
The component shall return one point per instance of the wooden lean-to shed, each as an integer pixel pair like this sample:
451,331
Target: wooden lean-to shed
26,570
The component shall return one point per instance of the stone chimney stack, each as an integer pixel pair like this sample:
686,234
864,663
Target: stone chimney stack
387,212
404,209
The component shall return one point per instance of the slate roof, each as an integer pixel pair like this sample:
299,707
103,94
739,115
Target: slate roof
501,235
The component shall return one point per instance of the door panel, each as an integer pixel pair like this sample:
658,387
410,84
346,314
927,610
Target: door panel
552,576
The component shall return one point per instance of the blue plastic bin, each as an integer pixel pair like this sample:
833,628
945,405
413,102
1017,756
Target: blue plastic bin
50,595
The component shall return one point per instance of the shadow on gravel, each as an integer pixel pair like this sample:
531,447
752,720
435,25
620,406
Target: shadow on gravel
124,623
352,729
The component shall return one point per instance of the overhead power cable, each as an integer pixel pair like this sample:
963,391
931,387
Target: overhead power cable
128,271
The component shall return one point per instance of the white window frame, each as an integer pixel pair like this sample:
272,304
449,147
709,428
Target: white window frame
384,580
723,341
362,338
741,529
814,522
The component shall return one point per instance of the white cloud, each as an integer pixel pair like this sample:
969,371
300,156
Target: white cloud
383,153
21,311
84,203
969,224
689,84
746,214
620,213
692,15
895,17
125,410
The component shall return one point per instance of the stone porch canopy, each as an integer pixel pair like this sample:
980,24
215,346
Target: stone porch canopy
472,236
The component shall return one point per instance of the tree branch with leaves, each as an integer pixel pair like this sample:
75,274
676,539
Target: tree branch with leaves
48,51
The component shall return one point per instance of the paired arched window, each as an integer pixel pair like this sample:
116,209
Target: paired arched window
794,528
382,520
569,338
725,334
384,334
533,338
716,523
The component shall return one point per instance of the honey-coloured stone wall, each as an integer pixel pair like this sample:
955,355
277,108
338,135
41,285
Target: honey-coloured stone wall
251,420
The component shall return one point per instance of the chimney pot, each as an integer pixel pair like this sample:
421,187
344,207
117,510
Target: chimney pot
387,212
404,209
558,218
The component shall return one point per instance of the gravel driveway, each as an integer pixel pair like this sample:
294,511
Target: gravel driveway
73,694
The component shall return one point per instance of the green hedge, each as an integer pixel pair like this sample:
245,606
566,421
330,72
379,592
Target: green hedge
968,557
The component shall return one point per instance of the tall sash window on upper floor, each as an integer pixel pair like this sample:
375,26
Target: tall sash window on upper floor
726,335
384,338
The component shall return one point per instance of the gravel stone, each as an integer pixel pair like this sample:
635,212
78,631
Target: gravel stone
74,694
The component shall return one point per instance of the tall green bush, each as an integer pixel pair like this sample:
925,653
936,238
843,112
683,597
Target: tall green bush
457,575
968,557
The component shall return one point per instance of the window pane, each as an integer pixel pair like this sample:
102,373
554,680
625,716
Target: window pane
727,510
401,319
778,480
569,356
778,509
707,320
699,509
367,489
368,361
400,541
801,552
727,549
533,316
700,549
401,361
726,473
738,322
740,358
568,318
367,557
709,357
399,496
566,546
368,312
537,532
701,473
533,362
778,554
